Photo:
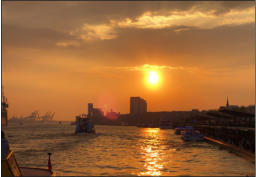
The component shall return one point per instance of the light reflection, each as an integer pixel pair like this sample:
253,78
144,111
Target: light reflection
150,150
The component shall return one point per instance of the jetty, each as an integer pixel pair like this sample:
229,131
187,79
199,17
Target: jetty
240,140
237,150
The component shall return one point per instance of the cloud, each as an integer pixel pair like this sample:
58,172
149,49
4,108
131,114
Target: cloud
95,32
145,67
181,29
68,44
193,17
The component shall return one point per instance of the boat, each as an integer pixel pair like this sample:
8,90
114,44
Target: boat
9,164
84,124
178,130
192,135
10,167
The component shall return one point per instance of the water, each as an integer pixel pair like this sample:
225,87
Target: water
120,150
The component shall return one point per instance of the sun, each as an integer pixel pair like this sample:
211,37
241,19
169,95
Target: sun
153,77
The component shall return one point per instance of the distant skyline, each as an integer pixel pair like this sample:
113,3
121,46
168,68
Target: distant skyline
60,56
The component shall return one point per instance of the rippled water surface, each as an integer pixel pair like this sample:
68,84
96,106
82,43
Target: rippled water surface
120,150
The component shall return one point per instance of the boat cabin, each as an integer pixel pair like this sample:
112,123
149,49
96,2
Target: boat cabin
84,124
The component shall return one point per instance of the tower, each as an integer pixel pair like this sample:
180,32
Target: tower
90,110
227,105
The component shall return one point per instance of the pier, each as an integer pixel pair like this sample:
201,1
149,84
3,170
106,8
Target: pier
240,140
239,151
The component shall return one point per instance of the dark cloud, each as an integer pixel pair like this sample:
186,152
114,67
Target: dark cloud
70,15
22,37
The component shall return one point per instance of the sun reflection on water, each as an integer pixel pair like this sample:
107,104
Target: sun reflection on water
151,154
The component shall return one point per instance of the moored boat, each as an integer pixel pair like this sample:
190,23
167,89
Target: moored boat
192,135
178,130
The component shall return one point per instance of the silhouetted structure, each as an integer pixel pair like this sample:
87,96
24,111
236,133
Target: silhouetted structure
229,107
4,106
112,115
137,106
90,109
34,116
97,112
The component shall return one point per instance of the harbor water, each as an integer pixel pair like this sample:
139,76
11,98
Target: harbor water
120,150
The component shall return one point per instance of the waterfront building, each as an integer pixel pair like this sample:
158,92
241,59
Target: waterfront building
137,105
90,110
112,115
97,112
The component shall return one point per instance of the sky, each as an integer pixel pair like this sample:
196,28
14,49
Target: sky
60,56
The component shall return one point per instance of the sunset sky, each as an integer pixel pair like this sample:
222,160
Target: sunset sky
58,56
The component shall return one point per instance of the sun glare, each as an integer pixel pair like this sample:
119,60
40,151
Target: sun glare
153,77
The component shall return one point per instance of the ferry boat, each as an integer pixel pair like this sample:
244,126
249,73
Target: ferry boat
84,124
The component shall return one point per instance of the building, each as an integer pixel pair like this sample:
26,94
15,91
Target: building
137,105
90,110
229,107
142,106
112,115
97,112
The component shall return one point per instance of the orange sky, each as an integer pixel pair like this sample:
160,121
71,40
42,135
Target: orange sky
58,56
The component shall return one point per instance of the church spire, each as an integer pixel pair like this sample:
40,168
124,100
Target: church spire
227,105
